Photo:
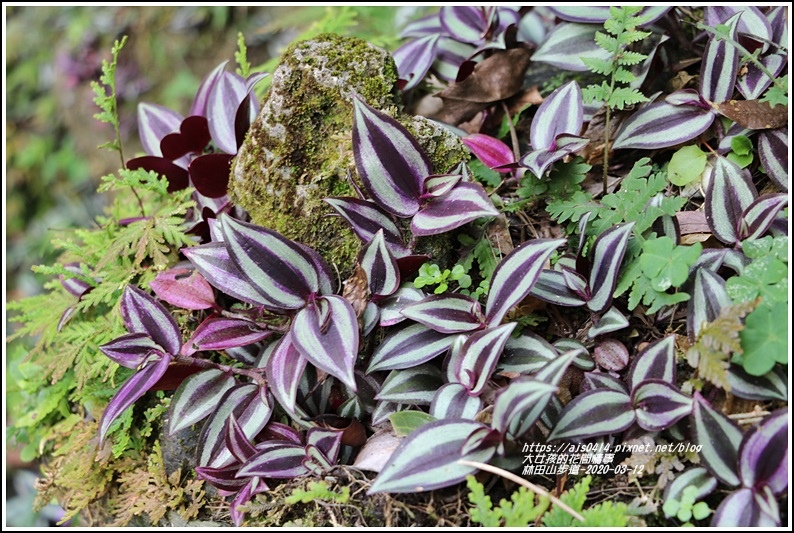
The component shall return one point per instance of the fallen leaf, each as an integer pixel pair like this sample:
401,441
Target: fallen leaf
692,222
754,114
374,455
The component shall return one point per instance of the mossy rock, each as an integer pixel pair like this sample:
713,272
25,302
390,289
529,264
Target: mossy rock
299,149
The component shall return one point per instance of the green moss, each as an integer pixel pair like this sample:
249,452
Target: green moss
299,150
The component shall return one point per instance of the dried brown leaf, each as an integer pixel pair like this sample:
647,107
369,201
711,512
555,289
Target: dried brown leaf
754,114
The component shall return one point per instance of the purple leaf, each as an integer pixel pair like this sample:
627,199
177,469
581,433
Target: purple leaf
213,262
744,508
390,162
771,386
252,409
380,266
753,84
428,458
773,153
582,359
284,369
760,215
490,150
278,268
276,459
414,59
660,125
658,405
599,14
183,287
411,346
719,67
131,350
763,454
143,314
238,444
154,123
279,431
611,321
252,487
465,203
366,219
450,55
553,371
697,477
719,437
391,307
207,85
210,174
222,478
219,333
608,252
468,24
427,25
196,397
655,361
446,313
438,185
415,386
752,22
330,345
135,387
566,44
177,176
611,355
708,297
551,287
729,192
526,354
193,136
516,274
538,161
453,401
327,440
602,380
519,405
686,97
594,413
560,112
222,104
479,356
74,286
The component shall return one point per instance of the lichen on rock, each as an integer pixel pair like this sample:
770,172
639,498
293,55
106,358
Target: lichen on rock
299,149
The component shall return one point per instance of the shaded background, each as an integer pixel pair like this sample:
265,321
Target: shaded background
52,165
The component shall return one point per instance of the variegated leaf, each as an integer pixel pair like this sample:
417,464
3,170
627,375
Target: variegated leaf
414,59
774,155
222,478
567,44
655,361
415,386
154,123
479,356
410,346
236,442
366,218
744,508
468,24
332,344
608,252
697,477
660,125
276,459
771,386
439,185
594,413
526,353
553,371
560,113
611,321
763,454
708,297
284,369
539,161
753,84
144,314
463,204
551,287
428,458
516,274
719,437
222,104
446,313
380,266
220,333
658,404
391,164
199,106
602,380
490,150
519,405
197,396
719,66
582,358
454,401
759,215
391,307
327,440
131,350
730,191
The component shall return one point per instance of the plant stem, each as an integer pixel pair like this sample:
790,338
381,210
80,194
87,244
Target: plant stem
205,363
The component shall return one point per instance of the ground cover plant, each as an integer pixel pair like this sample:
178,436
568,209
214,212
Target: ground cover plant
625,323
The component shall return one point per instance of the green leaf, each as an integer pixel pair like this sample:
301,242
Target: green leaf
484,174
404,422
765,338
741,145
686,165
631,58
598,65
777,94
700,511
241,57
741,160
666,264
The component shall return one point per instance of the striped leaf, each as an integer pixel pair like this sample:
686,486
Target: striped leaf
275,266
697,477
326,333
284,369
213,262
771,386
135,387
438,185
763,454
468,24
719,66
729,192
553,371
446,313
183,287
197,396
415,386
463,204
745,508
611,321
366,219
154,123
753,84
552,287
414,60
594,413
411,346
519,405
660,125
220,333
608,252
516,274
251,408
380,266
223,478
453,401
131,350
560,113
199,106
237,443
526,353
391,307
389,161
490,150
450,55
611,354
708,297
759,215
428,458
658,405
599,14
655,361
539,161
277,460
774,155
479,356
582,359
566,44
719,437
144,314
222,104
602,380
327,440
752,22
